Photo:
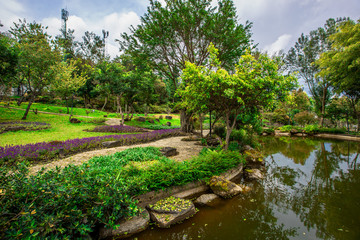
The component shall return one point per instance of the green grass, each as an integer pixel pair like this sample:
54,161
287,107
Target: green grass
175,122
61,129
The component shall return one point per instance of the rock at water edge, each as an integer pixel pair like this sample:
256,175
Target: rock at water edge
224,188
206,199
127,227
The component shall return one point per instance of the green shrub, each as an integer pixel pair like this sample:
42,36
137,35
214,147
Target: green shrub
311,129
220,131
268,130
288,128
69,203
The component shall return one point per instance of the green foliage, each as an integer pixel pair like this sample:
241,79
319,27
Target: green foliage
187,28
304,118
69,203
244,137
256,83
288,128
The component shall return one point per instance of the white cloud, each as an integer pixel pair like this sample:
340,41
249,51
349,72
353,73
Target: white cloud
279,44
115,23
10,11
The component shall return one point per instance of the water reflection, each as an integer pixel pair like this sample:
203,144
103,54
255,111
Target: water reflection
311,191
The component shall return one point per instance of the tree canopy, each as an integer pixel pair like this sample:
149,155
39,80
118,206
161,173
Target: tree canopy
255,84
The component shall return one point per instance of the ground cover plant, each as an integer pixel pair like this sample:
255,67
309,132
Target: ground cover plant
161,123
45,151
70,203
312,129
15,126
117,129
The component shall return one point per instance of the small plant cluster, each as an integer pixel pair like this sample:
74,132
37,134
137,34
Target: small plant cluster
70,203
48,150
117,129
171,205
159,127
24,126
312,129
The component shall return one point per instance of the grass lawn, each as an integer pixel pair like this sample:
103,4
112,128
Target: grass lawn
61,129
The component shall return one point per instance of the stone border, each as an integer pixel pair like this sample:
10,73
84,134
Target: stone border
345,137
185,191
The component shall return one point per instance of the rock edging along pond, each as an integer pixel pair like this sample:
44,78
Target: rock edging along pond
221,185
345,137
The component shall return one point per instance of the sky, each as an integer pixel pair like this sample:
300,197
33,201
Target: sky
277,24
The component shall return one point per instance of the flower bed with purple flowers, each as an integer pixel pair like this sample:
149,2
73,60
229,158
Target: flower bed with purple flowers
117,129
43,151
24,126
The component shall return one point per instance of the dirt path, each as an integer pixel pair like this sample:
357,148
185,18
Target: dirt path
186,150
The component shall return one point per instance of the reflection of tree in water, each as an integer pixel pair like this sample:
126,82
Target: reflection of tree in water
345,148
330,201
297,149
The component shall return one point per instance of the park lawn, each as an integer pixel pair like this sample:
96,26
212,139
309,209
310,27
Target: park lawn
61,129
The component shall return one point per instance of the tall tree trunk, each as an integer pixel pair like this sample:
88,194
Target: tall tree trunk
67,105
323,99
186,124
106,98
32,98
229,127
201,124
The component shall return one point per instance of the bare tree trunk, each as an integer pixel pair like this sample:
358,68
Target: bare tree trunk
32,98
229,127
323,106
201,124
186,125
119,109
103,107
67,105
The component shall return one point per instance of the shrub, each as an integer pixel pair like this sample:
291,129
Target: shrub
311,129
220,131
69,203
288,128
304,118
117,129
24,126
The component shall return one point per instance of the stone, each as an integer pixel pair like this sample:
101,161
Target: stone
247,148
253,174
206,199
127,227
105,115
168,151
75,120
151,121
224,188
168,123
158,120
171,210
168,117
141,119
254,158
111,144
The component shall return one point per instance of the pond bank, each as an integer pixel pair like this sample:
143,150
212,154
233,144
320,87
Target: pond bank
346,137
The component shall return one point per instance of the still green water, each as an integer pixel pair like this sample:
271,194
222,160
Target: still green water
311,191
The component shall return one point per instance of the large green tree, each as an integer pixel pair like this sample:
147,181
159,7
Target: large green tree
181,31
301,59
341,64
255,84
8,62
36,58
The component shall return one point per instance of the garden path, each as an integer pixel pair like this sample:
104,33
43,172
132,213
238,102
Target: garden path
186,150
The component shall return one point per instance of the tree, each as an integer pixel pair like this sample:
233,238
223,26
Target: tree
301,59
180,32
66,80
92,48
8,62
36,60
255,84
341,64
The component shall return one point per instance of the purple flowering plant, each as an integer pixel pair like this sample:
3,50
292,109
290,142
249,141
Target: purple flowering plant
41,151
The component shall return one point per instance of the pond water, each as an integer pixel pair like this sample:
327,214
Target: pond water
311,191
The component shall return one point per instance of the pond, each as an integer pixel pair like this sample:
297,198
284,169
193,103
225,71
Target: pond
311,191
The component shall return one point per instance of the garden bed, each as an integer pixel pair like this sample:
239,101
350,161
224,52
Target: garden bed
44,151
72,202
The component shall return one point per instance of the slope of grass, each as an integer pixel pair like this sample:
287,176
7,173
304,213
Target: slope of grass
61,129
